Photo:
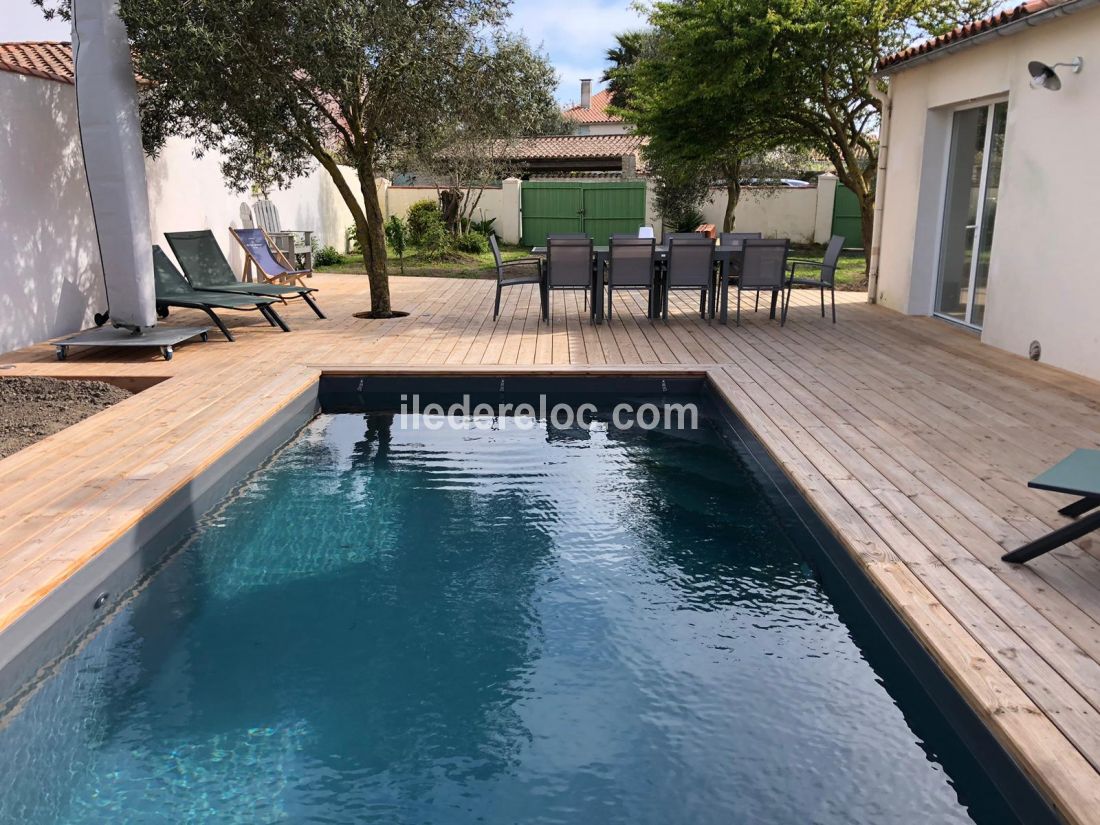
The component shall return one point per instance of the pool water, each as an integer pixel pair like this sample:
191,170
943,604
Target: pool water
389,625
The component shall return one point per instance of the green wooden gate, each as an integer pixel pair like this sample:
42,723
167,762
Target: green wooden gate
846,217
598,208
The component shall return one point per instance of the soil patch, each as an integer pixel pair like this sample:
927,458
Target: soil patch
33,408
370,316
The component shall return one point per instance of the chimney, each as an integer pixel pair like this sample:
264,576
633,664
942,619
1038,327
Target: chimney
586,93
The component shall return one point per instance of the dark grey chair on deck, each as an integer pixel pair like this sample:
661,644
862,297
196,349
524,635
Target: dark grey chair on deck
568,266
735,238
690,266
763,269
826,279
173,290
506,278
631,264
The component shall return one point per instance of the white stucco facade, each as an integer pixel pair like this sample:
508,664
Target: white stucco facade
1044,272
51,282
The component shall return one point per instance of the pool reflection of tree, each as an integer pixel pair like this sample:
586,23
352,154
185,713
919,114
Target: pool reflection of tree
696,513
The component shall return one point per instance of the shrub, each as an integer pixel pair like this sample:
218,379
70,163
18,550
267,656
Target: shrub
435,242
327,256
483,227
421,217
687,221
397,236
473,242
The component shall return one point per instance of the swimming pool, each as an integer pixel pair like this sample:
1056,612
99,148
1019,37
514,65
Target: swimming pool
493,623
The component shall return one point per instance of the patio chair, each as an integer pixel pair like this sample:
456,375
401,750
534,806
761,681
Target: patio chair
568,266
206,268
173,290
763,269
735,238
690,266
505,279
1077,475
272,265
631,264
290,242
826,280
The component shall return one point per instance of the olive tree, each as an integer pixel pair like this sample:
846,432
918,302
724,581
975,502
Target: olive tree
275,86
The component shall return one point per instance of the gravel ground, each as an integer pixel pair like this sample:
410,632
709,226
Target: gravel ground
33,408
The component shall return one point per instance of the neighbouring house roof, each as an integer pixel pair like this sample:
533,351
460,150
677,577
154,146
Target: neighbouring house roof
596,111
568,147
969,30
48,59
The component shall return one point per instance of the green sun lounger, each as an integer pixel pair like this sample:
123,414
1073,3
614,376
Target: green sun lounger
206,268
1077,475
173,290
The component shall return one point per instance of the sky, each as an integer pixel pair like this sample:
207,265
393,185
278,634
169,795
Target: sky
575,33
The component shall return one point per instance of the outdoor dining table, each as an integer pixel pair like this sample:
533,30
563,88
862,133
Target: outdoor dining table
728,257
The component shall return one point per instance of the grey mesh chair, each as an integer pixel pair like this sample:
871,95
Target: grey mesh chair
690,266
631,264
735,238
173,290
826,280
206,267
679,236
568,266
763,269
506,278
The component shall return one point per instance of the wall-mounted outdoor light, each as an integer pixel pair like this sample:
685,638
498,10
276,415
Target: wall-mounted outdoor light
1044,76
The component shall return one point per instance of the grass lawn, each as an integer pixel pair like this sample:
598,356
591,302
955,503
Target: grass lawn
465,266
850,273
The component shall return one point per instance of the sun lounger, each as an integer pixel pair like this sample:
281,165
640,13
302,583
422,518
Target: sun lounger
273,266
173,290
1076,475
206,268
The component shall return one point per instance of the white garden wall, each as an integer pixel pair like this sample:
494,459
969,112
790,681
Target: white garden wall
777,212
50,280
804,215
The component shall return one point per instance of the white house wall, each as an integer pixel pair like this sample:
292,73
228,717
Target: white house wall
51,282
1044,275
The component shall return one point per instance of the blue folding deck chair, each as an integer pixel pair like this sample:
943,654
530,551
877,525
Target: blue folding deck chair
274,268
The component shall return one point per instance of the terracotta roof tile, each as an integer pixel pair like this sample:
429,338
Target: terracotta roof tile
595,113
50,60
994,21
577,146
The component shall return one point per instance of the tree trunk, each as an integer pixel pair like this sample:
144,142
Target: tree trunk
369,231
372,240
732,171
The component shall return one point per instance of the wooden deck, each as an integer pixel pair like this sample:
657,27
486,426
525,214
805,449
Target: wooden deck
913,441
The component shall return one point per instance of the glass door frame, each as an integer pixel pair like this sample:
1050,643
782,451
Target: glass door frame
989,105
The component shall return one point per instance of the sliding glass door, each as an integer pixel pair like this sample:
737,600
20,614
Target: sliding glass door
970,210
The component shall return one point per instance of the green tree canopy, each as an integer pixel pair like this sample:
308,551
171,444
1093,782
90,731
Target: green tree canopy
276,85
732,78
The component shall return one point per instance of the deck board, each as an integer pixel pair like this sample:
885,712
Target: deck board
912,441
